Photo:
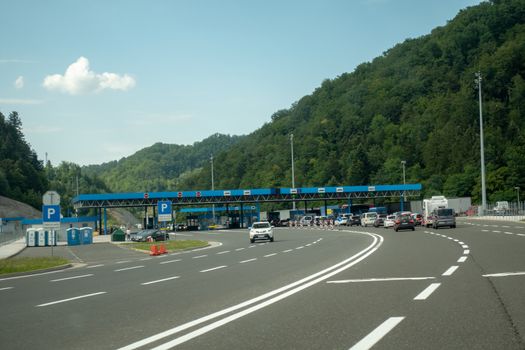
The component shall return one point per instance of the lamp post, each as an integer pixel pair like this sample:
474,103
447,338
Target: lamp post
293,169
212,188
517,188
403,163
482,150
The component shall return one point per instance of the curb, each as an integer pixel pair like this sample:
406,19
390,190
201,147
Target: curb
34,272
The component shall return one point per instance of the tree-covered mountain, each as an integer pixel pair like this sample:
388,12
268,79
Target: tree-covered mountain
417,102
160,167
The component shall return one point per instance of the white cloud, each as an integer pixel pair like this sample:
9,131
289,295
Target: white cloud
19,82
78,79
19,101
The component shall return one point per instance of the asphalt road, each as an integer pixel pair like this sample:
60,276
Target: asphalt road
356,288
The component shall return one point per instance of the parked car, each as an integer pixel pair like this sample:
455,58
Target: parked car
443,217
404,222
389,221
151,234
368,219
418,219
182,227
354,220
261,230
380,220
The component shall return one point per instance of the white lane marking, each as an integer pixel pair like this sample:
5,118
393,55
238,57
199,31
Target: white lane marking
450,271
505,226
377,334
144,259
309,244
464,246
70,299
93,266
504,274
123,262
252,246
301,247
214,268
461,243
462,259
169,261
161,280
297,285
267,256
508,233
485,230
71,278
239,249
199,256
223,252
496,231
6,288
245,261
427,291
287,250
521,234
130,268
466,252
456,240
32,275
383,279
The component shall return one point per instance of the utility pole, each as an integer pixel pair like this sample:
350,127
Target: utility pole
212,187
482,149
293,169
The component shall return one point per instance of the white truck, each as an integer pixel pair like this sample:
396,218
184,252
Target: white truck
435,202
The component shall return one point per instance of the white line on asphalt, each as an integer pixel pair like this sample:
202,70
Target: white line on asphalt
161,280
169,261
383,279
466,252
465,246
496,231
456,240
224,252
214,268
6,288
239,249
123,262
521,234
199,256
144,259
267,256
71,278
461,243
508,233
245,261
93,266
69,299
485,230
130,268
450,271
32,275
504,274
287,250
505,226
427,291
377,334
309,244
301,247
462,259
252,246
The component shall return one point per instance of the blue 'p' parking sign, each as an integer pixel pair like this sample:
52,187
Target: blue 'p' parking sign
164,209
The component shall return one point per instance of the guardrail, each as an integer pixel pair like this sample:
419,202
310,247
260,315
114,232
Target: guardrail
10,236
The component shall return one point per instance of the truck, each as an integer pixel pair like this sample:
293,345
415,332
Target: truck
435,202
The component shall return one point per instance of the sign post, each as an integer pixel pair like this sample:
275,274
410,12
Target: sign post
165,212
51,214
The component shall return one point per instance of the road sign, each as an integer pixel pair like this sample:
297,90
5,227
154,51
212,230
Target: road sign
51,216
164,209
51,198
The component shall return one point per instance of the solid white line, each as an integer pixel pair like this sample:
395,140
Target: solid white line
309,244
466,252
450,271
245,261
508,233
462,259
521,234
427,291
504,274
224,252
287,250
6,288
214,268
302,284
93,266
130,268
267,256
383,279
69,299
301,247
123,262
485,230
169,261
162,280
32,275
200,256
377,334
71,278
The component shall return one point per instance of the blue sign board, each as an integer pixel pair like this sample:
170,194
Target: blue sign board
164,209
51,213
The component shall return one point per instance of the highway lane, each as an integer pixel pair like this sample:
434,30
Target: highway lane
466,310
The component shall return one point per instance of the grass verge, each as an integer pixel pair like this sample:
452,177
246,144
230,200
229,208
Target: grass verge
15,265
170,245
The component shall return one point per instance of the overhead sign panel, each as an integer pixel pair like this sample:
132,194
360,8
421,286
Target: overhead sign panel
165,210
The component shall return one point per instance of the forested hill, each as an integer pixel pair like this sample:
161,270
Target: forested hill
160,167
417,102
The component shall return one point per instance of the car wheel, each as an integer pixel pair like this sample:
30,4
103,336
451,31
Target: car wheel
413,228
271,239
396,229
252,240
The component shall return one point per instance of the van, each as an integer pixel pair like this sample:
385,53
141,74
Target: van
368,218
443,217
306,220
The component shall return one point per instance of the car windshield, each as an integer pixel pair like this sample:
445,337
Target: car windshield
445,212
261,225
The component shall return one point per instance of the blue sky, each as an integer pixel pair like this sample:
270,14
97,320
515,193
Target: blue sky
95,81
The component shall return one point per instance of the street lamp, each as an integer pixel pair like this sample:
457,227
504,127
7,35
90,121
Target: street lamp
293,169
482,150
403,163
517,188
212,188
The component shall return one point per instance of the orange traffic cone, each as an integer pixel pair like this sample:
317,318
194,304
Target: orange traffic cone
153,250
162,249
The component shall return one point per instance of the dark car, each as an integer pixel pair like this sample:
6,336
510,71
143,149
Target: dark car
146,235
380,220
404,222
353,220
443,217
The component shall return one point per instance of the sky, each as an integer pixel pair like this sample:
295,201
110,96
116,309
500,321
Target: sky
95,81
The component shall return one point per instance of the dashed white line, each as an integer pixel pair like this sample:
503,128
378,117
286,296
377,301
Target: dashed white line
199,256
144,259
466,252
427,291
71,278
169,261
450,271
123,262
508,233
130,268
223,252
239,249
462,259
377,334
301,247
287,250
161,280
6,288
485,230
214,268
464,246
245,261
496,231
521,234
70,299
93,266
267,256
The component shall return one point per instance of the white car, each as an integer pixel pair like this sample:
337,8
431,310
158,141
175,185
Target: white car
368,218
261,230
341,221
389,221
